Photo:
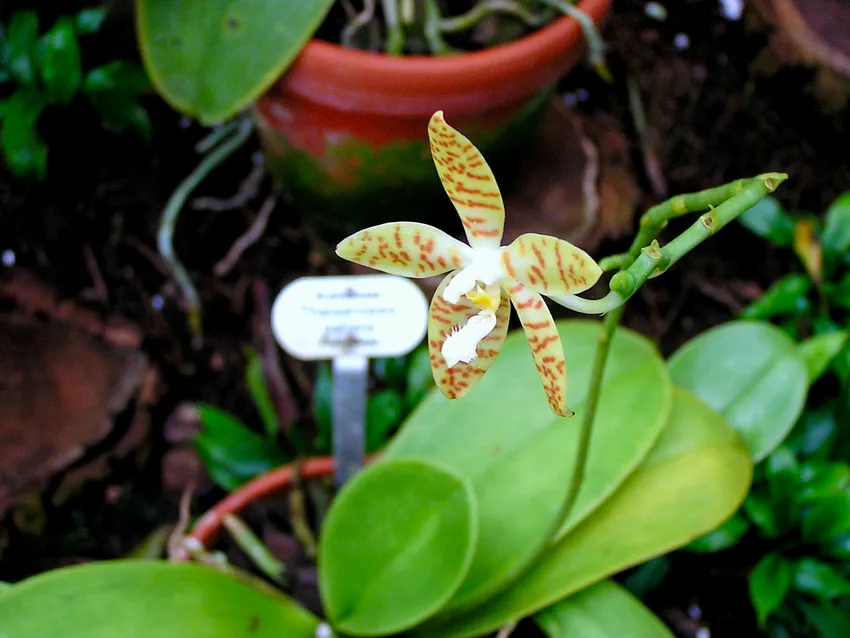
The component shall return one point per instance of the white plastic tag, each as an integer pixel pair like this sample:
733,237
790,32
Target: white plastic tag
367,316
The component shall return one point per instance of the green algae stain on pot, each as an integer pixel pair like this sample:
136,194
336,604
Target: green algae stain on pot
354,184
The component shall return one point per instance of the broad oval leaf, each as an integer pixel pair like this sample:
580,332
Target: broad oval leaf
724,537
819,351
149,599
519,456
232,453
767,219
210,59
603,610
695,477
769,584
61,62
836,232
819,579
395,546
751,373
827,519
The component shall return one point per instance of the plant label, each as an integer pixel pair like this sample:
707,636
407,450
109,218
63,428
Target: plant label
356,316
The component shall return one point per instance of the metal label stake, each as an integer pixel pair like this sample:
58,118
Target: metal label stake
349,320
350,383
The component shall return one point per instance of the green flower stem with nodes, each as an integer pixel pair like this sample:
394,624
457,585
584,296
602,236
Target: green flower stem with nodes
725,203
165,235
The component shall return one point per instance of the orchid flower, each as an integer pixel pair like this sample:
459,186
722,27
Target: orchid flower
469,313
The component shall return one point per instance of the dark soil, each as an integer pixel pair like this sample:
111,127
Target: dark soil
712,119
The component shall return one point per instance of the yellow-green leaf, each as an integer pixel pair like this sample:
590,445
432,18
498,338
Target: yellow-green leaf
148,599
695,477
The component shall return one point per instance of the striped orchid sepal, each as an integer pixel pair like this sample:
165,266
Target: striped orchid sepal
468,316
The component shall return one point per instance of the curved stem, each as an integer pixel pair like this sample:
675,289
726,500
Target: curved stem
483,9
603,346
171,213
595,44
591,306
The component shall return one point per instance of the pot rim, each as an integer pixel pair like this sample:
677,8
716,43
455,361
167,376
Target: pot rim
208,526
356,80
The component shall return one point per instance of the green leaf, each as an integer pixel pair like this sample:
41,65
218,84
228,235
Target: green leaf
323,407
384,412
827,519
760,509
61,64
752,374
724,537
694,478
819,579
838,547
89,21
20,48
396,544
604,610
819,351
232,453
767,219
838,294
828,619
519,456
420,379
211,59
770,581
255,380
114,90
815,432
788,295
390,370
149,599
836,232
23,148
647,577
821,480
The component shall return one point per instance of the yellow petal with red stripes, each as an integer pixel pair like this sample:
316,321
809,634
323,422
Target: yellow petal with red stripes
409,249
469,183
443,317
545,342
550,266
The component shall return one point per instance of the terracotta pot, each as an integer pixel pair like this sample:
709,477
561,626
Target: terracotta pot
346,130
276,480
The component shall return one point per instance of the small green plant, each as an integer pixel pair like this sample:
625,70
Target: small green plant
46,70
234,453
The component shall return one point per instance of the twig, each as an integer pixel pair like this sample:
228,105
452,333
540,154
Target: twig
254,548
99,287
298,514
165,236
595,44
357,22
249,238
433,35
482,9
651,163
507,630
247,190
279,389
